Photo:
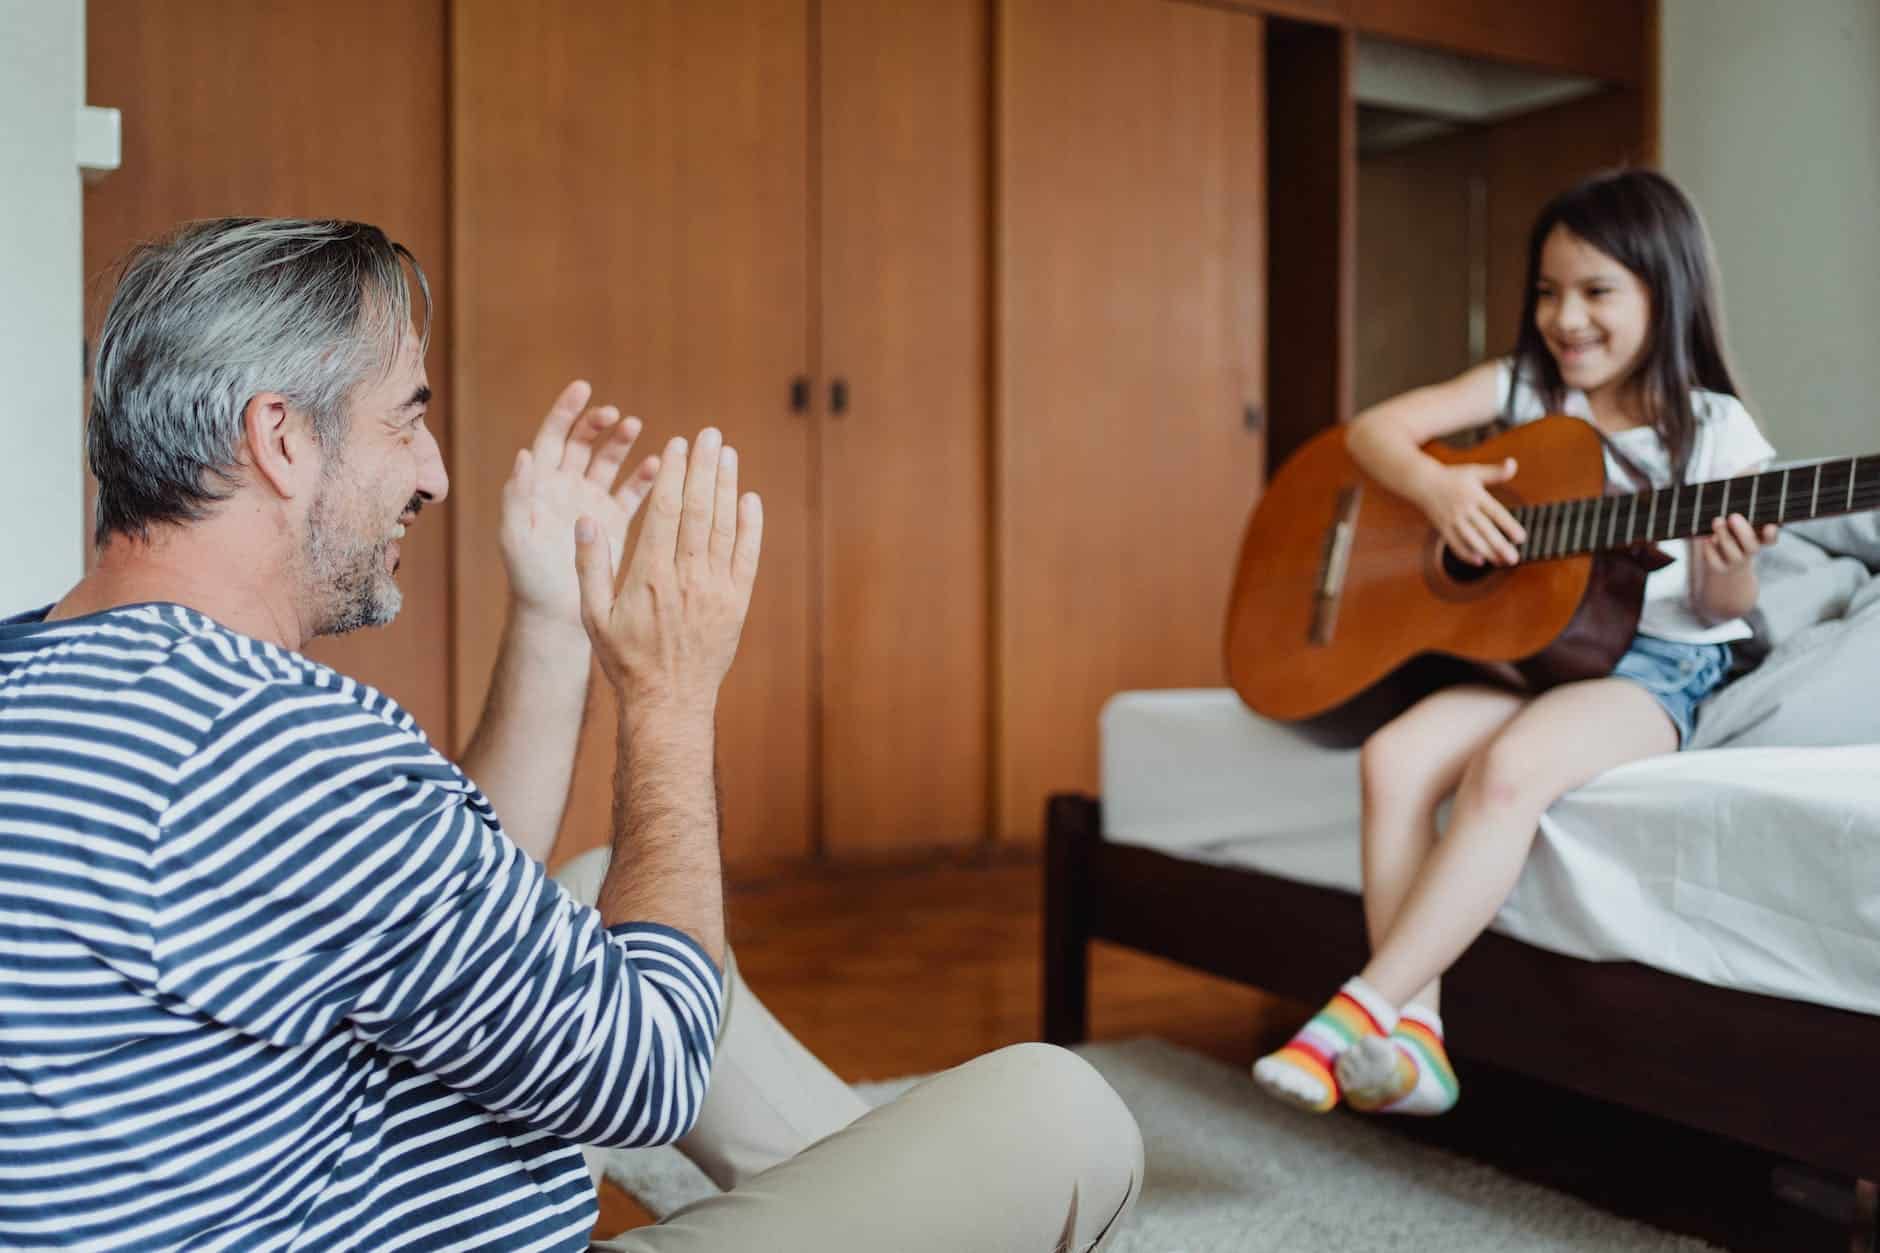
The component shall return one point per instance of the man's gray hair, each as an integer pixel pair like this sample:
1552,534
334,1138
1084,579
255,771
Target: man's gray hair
209,317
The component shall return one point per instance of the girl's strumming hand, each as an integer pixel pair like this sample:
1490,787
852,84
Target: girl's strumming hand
1475,525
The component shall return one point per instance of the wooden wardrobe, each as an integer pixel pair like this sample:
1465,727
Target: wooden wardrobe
985,337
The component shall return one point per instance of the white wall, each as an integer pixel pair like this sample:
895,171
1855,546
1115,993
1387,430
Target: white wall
1771,121
42,86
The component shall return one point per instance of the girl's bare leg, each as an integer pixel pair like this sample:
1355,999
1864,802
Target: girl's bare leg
1562,739
1407,768
1557,742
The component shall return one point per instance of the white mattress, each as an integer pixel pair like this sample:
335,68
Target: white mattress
1749,868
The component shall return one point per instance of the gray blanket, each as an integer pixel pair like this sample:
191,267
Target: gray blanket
1817,644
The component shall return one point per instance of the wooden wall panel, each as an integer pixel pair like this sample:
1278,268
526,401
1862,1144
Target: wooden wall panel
904,109
1130,311
1312,220
232,107
630,196
1336,12
1416,249
1603,38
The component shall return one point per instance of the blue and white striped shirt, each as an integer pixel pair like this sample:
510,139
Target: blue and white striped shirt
271,976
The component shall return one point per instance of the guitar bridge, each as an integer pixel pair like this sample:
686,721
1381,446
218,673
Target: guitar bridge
1334,558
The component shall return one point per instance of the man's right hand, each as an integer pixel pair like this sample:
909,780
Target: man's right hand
669,634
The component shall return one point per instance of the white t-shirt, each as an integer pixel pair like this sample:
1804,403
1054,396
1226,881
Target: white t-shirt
1728,443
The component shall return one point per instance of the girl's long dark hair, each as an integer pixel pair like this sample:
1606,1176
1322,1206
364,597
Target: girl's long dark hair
1640,219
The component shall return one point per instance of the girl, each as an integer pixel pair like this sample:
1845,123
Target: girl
1619,329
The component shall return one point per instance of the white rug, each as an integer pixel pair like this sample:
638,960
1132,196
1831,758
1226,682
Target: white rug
1232,1171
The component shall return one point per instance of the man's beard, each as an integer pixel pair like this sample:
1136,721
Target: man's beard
347,573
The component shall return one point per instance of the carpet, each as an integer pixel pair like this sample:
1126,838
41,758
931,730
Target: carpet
1232,1171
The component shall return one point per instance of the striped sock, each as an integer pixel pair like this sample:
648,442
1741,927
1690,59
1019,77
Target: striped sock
1301,1073
1408,1073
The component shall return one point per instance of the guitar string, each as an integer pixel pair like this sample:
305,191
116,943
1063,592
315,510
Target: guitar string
1847,488
1858,501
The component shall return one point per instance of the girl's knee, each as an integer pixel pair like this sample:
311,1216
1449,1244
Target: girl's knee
1507,774
1398,766
1388,758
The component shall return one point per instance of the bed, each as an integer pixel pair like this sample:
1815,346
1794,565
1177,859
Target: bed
1683,922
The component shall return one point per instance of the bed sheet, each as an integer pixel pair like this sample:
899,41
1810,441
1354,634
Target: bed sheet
1748,868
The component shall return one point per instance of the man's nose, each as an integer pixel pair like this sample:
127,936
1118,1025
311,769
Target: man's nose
433,479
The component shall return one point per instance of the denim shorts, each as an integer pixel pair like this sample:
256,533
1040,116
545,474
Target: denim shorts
1678,675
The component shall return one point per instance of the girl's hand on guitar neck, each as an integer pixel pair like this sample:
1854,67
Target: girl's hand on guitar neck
1477,527
1733,543
1723,574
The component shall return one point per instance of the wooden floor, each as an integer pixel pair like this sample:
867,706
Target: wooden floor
894,972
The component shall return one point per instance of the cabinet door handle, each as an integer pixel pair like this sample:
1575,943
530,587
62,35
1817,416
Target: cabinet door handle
1253,417
839,397
799,394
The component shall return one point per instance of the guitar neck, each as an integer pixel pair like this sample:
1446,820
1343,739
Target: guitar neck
1569,528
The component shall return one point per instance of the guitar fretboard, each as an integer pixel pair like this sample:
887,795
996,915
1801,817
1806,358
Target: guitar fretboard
1568,528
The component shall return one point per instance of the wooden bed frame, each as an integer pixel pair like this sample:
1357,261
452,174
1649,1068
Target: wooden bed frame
1682,1054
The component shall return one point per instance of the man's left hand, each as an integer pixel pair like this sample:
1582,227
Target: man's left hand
567,472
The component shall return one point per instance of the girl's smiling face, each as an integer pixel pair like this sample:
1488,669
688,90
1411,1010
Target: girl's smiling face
1593,313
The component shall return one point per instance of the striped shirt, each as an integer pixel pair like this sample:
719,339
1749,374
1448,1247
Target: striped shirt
271,976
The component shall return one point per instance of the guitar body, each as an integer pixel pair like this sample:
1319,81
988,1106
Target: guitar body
1307,632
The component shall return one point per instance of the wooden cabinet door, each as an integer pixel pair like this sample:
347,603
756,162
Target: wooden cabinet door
631,189
210,131
1130,310
904,104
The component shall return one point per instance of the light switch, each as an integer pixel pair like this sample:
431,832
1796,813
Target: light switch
99,142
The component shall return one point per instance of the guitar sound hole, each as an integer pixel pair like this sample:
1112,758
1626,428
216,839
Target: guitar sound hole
1459,571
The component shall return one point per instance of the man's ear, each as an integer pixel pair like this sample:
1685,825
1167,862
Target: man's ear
278,442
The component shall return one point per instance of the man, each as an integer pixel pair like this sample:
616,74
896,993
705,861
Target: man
275,975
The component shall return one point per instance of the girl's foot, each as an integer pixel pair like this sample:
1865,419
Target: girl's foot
1407,1072
1301,1073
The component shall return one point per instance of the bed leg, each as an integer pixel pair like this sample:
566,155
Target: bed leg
1072,827
1832,1197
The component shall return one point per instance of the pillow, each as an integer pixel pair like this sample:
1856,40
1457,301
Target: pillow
1818,688
1854,535
1800,583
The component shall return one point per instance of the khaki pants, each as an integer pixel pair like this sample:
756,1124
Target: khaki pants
1026,1149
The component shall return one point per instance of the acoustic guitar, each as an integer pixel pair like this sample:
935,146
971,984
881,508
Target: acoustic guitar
1341,582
